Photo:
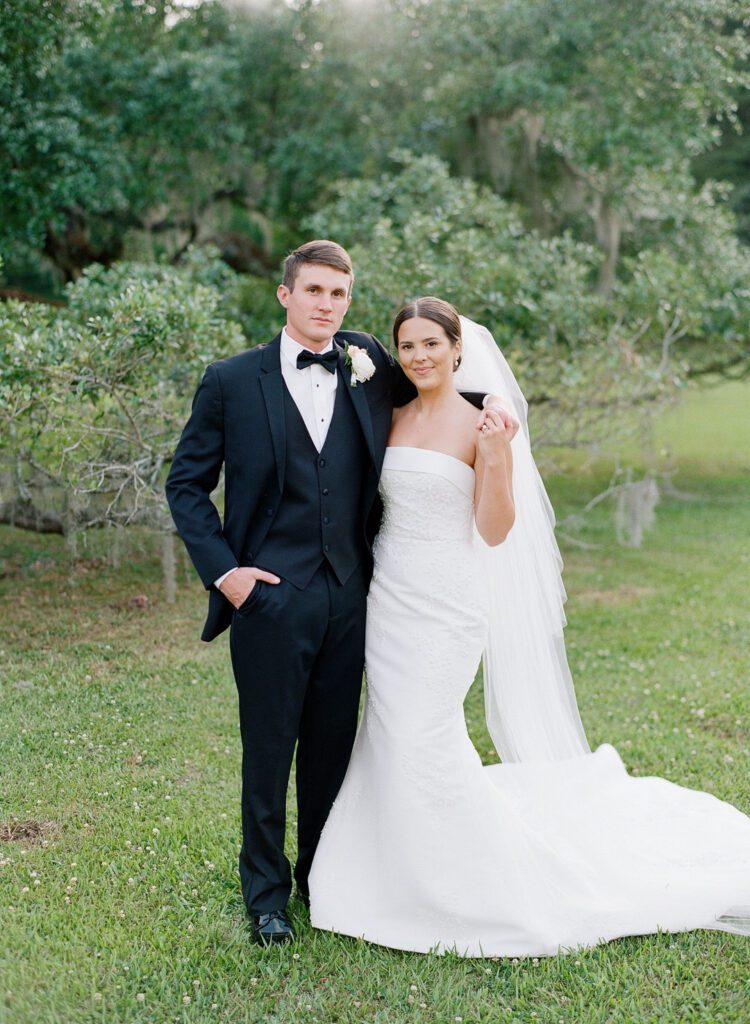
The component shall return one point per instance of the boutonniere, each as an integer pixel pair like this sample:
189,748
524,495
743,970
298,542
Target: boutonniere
362,366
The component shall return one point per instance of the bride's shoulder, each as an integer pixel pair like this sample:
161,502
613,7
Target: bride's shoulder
466,412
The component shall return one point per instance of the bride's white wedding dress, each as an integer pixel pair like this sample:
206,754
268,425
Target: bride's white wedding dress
427,849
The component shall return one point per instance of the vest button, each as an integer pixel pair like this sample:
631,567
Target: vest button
326,519
321,463
325,490
326,547
269,511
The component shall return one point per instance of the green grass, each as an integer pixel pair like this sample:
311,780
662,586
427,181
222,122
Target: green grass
120,736
709,429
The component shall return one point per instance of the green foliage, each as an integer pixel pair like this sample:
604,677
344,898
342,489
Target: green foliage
106,115
553,200
40,134
421,231
92,398
691,274
253,304
619,87
118,118
594,367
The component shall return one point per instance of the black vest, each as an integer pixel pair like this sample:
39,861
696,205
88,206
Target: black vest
320,513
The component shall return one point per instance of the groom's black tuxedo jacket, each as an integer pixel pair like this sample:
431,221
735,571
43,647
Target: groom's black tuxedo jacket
238,421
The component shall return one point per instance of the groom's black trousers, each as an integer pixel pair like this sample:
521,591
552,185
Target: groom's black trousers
298,657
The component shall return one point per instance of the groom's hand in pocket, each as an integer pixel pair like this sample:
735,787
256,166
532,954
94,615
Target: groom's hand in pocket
238,585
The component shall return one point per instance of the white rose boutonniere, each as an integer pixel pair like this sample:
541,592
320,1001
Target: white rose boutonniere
362,366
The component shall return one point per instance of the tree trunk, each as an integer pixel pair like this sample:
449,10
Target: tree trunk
169,566
496,154
71,250
608,230
530,185
25,516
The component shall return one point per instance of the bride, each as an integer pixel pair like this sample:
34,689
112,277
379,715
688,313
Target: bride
557,847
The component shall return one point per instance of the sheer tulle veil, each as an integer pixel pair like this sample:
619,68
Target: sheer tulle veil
530,702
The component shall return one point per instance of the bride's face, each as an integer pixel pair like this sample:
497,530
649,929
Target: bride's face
426,353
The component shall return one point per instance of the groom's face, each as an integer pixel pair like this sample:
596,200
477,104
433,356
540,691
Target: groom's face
316,305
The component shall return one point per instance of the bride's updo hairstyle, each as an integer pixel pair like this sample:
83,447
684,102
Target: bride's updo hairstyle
430,307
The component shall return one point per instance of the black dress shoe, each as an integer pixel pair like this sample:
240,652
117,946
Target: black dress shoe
272,927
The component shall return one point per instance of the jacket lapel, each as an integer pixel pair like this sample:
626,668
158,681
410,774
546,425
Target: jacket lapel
357,395
272,384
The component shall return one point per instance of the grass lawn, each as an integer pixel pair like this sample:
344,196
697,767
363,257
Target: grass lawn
120,747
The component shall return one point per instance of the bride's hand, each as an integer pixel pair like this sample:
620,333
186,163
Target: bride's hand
494,437
509,421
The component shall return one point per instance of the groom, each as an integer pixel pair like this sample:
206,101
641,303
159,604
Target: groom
300,426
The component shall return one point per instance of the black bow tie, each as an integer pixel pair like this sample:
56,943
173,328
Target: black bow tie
328,360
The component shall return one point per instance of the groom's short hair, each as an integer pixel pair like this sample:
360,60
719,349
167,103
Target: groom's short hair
321,251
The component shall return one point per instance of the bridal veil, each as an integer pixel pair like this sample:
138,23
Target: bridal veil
530,702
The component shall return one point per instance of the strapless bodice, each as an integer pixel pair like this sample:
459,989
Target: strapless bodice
428,496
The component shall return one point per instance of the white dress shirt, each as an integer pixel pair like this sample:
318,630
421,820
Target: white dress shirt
313,391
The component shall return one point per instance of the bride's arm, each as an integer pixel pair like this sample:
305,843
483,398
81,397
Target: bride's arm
494,510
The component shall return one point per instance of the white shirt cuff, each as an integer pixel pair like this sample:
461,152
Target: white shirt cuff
217,583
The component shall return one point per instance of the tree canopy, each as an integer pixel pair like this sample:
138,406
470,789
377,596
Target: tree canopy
567,173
